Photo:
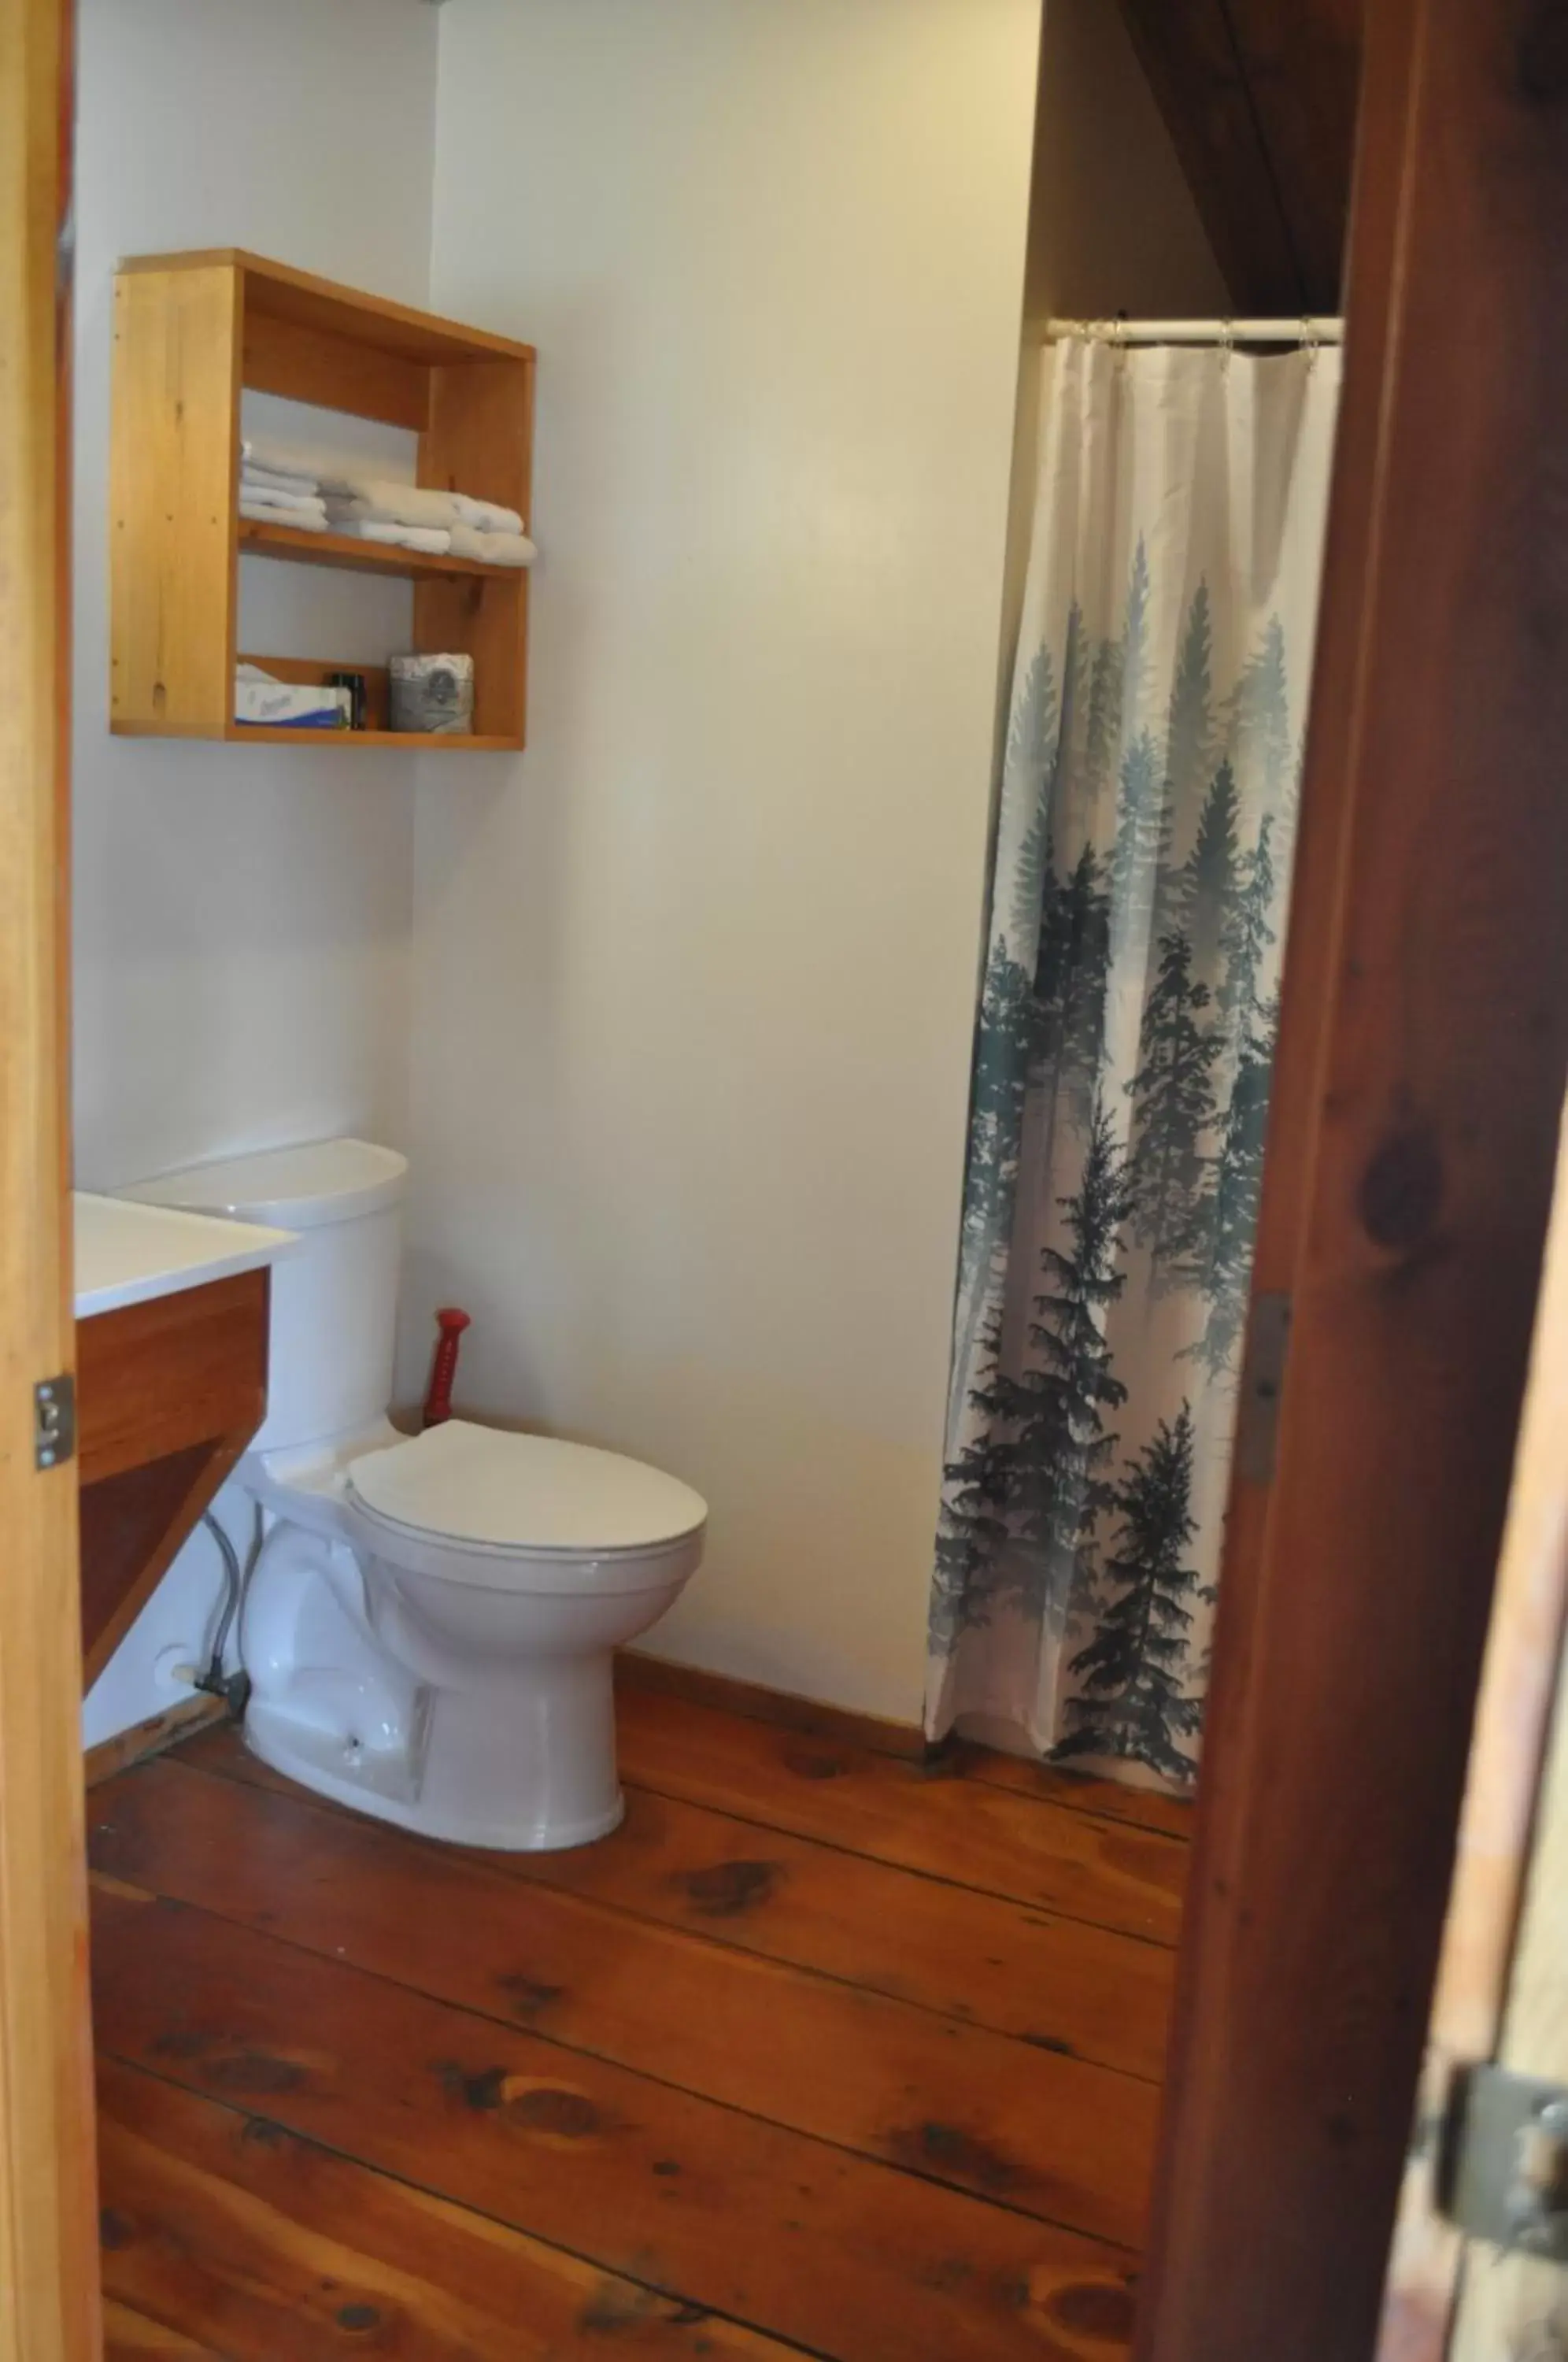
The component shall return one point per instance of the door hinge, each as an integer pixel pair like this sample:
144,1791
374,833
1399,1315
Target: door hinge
1263,1383
1506,2169
54,1421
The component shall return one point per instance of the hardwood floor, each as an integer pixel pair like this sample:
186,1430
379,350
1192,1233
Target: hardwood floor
824,2052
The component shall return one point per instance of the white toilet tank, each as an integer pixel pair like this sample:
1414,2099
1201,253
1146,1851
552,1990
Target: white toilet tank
335,1294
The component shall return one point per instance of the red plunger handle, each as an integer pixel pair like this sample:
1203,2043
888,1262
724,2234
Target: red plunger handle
444,1367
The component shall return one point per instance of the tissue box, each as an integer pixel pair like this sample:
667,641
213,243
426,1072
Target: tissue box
271,704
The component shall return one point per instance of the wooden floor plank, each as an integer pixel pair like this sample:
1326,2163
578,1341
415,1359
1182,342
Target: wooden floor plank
1055,2136
1087,1991
1075,1792
973,1833
275,2250
130,2336
1081,1791
849,2258
634,1670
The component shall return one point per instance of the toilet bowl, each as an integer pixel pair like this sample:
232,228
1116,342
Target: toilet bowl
430,1624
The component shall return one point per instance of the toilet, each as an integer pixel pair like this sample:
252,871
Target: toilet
430,1624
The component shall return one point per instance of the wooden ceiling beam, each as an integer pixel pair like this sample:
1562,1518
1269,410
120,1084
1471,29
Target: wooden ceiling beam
1186,50
1259,97
1302,62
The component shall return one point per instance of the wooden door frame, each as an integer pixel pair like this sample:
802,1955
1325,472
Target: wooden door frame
48,2253
1508,1910
1512,1812
1421,1076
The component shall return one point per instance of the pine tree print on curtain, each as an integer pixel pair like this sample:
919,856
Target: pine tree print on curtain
1125,1045
1134,1701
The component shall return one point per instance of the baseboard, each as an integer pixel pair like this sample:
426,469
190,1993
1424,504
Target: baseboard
151,1737
635,1671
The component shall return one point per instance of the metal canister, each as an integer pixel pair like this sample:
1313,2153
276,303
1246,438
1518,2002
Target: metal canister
431,694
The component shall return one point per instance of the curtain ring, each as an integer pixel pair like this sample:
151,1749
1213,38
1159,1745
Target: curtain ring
1310,338
1227,342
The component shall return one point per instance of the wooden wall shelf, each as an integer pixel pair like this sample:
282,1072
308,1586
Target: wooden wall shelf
359,556
190,331
407,742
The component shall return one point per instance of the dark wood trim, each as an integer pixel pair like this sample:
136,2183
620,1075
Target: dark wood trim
154,1736
635,1670
1421,1074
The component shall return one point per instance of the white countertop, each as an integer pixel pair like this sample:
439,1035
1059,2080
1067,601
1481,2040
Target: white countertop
127,1253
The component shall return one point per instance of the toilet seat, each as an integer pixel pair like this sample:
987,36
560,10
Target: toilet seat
522,1512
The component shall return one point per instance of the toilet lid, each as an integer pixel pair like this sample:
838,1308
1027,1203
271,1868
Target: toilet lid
496,1491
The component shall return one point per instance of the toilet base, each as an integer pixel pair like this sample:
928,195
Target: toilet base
474,1768
478,1713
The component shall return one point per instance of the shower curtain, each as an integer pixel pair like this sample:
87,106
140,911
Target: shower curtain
1124,1043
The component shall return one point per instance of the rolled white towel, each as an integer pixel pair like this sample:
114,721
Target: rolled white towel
343,477
493,549
275,498
284,459
433,540
338,472
269,480
268,513
486,516
387,503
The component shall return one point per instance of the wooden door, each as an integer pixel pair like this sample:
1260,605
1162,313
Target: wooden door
1420,1075
48,2265
1502,1991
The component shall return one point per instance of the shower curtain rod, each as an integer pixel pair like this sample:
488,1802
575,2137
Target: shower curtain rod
1308,330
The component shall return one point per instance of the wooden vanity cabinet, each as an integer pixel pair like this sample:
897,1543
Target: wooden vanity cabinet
169,1394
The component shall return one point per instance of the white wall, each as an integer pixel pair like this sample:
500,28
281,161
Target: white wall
242,913
692,981
694,978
